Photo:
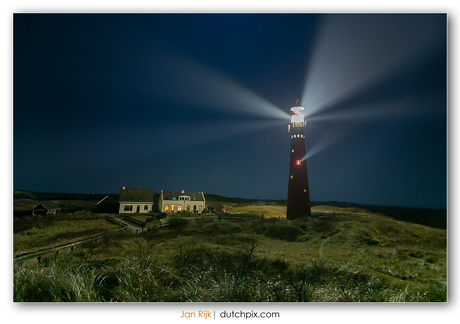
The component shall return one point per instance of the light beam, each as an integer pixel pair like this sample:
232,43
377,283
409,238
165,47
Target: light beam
194,83
355,50
358,63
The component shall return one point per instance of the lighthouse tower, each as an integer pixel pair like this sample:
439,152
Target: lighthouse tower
298,202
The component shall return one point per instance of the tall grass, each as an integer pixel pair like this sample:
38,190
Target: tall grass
329,259
201,274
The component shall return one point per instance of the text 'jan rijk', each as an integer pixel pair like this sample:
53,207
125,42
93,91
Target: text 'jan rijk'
200,314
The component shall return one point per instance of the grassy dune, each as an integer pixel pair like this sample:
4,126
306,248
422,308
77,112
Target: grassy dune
269,210
31,232
343,254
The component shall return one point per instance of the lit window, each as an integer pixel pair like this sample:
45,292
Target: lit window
166,208
292,151
179,208
172,208
292,176
298,162
305,190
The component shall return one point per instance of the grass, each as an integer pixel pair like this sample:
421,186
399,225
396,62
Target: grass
269,210
343,255
31,232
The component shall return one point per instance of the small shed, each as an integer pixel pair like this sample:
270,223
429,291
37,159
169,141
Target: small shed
107,205
43,209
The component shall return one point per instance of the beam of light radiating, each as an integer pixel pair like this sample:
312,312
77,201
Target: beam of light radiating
394,96
391,109
354,50
186,137
186,81
218,131
364,68
330,137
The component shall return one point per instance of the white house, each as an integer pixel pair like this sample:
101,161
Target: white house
135,200
174,201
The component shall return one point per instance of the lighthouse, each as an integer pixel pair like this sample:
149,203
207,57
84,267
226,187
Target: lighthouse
298,202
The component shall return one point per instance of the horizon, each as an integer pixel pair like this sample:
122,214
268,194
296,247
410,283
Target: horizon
242,198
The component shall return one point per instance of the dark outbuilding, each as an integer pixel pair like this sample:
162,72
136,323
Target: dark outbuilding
43,209
107,205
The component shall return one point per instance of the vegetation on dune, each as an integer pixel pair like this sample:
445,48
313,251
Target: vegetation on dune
31,232
269,210
342,255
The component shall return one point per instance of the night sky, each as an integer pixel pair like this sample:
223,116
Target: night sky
201,102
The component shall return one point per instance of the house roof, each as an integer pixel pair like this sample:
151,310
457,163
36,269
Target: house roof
47,206
138,195
107,199
194,196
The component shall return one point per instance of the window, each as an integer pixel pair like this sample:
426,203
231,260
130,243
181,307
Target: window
128,208
146,207
166,208
172,208
292,176
305,190
292,151
179,208
298,162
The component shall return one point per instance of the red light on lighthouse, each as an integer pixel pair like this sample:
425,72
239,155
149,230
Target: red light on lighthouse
298,162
